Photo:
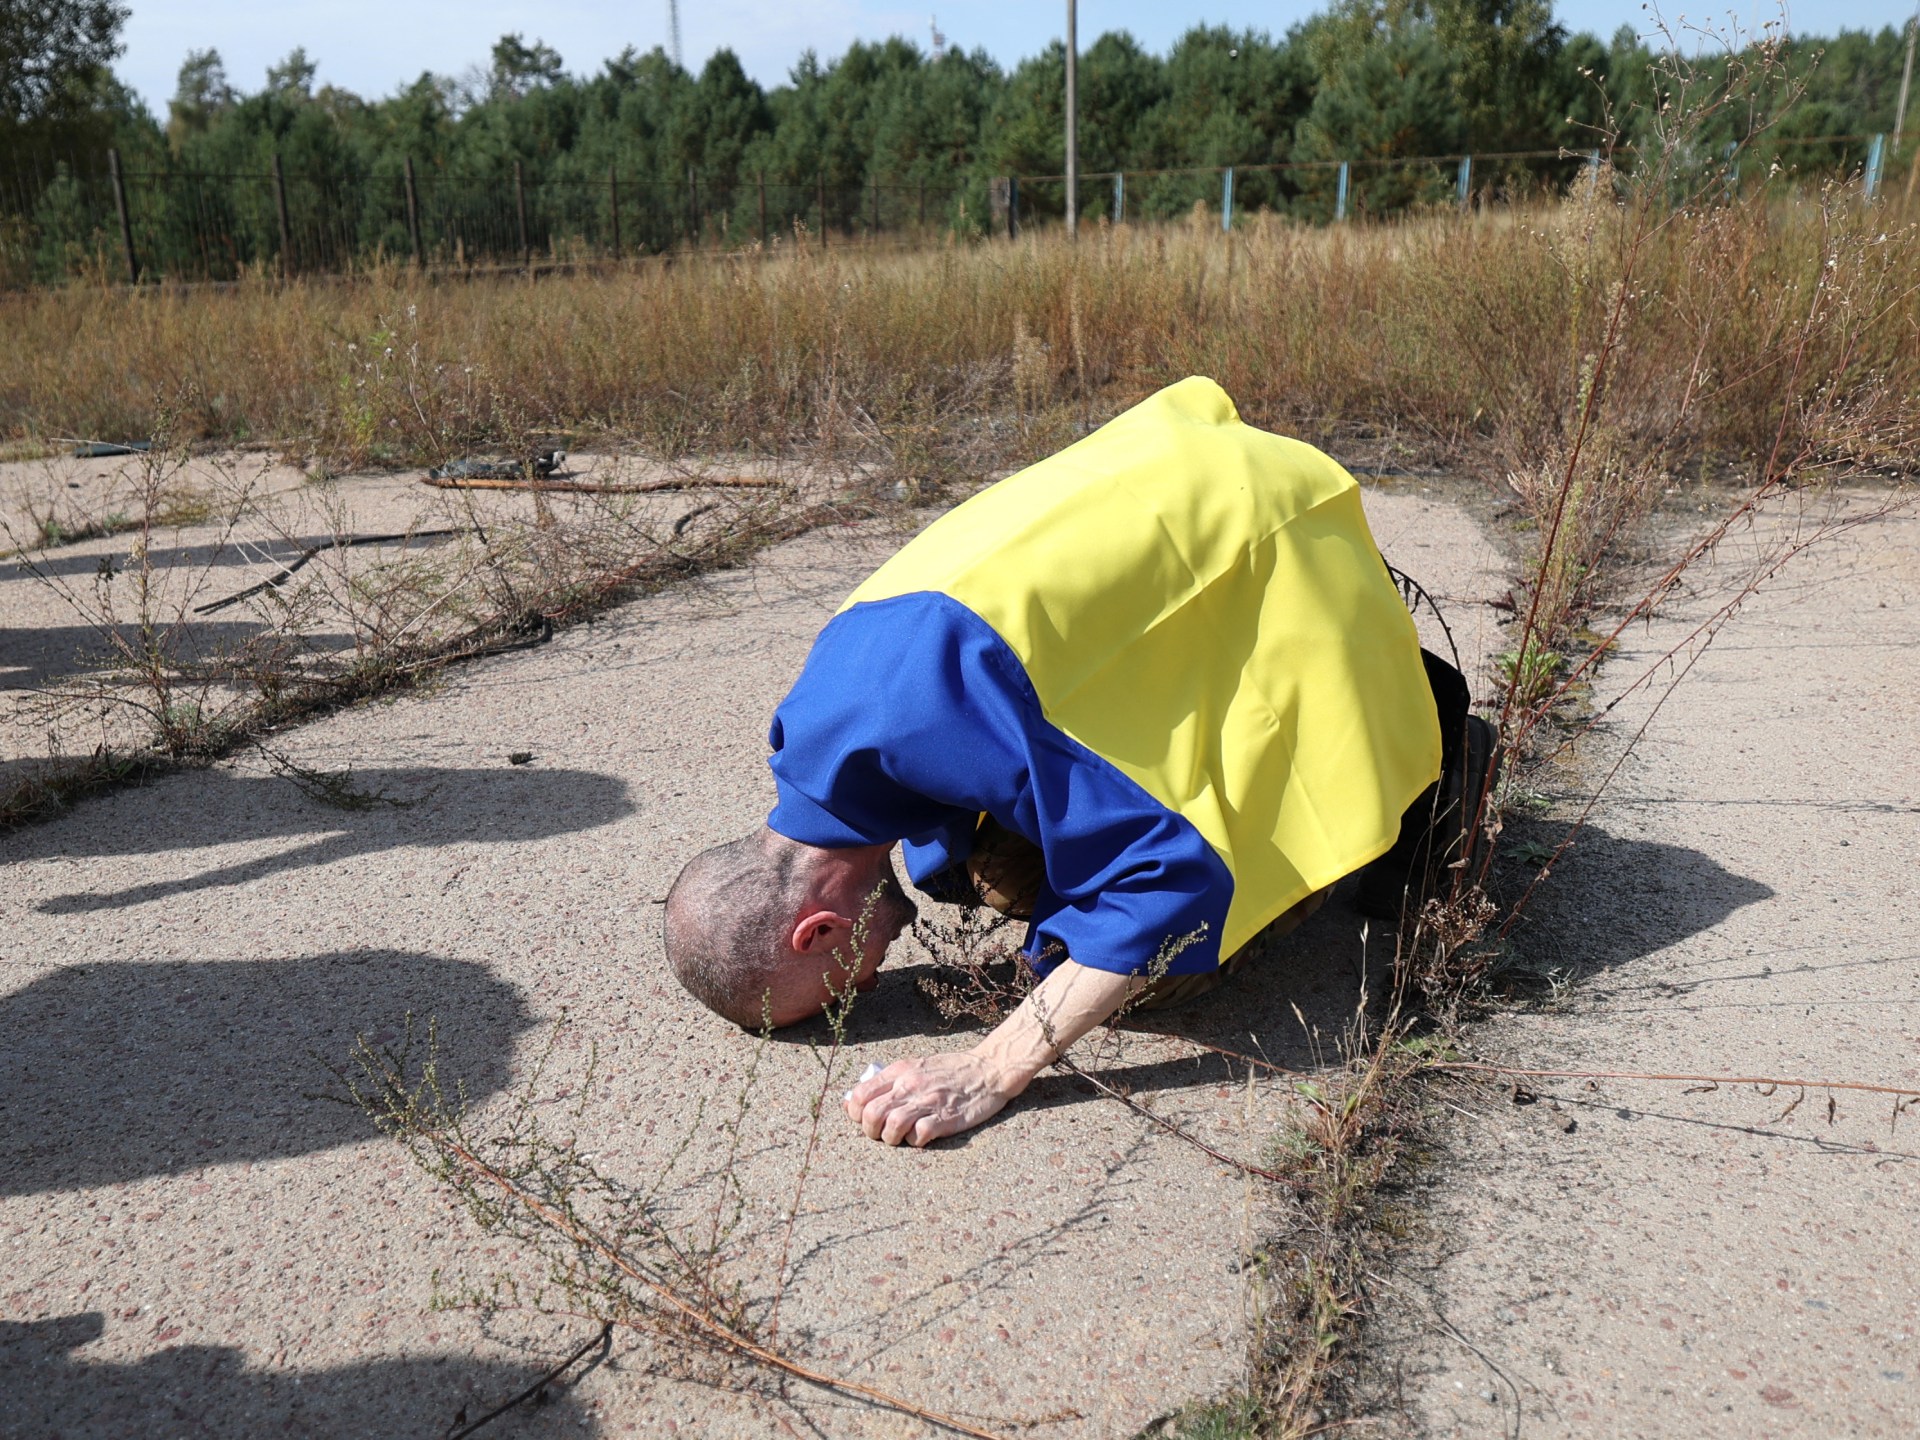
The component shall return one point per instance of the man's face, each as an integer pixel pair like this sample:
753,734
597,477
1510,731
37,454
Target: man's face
871,896
887,912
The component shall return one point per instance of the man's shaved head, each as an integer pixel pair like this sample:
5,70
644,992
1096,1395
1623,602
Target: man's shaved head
766,929
728,921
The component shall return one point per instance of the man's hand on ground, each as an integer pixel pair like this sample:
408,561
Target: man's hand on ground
919,1101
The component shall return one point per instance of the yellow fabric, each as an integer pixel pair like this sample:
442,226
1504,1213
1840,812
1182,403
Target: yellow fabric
1201,604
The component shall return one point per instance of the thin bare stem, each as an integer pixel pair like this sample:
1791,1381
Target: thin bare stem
1781,1082
703,1323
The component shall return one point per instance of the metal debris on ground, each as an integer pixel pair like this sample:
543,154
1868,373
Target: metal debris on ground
538,467
509,475
107,449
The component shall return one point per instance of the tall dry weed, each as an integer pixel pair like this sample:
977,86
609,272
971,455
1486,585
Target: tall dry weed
1447,330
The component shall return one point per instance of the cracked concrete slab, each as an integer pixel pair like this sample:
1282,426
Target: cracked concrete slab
1674,1260
195,1243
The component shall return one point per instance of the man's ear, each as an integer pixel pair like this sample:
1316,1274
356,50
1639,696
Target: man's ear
819,930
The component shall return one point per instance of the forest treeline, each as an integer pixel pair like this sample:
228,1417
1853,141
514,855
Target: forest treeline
1366,80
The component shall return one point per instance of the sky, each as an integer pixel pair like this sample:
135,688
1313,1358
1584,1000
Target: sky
374,47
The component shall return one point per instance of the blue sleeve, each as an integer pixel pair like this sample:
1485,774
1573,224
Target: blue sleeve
911,717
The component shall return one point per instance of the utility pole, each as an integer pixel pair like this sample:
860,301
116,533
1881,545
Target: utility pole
1906,78
673,32
126,218
1073,122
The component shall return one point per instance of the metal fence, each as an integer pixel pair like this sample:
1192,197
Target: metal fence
140,226
117,225
1332,191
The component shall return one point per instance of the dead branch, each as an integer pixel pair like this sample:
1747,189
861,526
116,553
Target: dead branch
275,581
703,1323
604,487
602,1341
1176,1131
1777,1082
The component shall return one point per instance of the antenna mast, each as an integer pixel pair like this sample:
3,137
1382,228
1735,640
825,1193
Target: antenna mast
939,40
673,32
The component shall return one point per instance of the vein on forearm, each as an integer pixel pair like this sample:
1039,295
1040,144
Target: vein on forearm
1057,1012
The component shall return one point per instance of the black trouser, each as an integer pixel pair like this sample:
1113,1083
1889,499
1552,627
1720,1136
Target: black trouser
1431,826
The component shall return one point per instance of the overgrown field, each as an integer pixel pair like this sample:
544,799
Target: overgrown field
1445,331
1586,355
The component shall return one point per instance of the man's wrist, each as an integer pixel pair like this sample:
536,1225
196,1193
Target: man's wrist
1010,1071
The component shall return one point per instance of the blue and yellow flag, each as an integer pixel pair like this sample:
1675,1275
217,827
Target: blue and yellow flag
1169,655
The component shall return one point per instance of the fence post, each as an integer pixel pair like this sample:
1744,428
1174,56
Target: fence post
519,210
1876,158
763,206
286,229
820,183
1593,173
693,207
613,202
1013,207
1463,183
1119,196
126,221
413,216
1226,200
1340,196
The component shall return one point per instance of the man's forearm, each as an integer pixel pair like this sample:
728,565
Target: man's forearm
921,1100
1057,1012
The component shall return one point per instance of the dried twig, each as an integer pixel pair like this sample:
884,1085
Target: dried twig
275,581
604,487
1772,1080
1174,1130
699,1320
603,1341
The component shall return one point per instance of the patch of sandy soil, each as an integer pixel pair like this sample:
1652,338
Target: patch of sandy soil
1633,1259
194,1244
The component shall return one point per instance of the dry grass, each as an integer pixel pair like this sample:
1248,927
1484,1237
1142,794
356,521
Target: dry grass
1443,331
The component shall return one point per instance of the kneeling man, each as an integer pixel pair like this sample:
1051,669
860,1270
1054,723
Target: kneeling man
1153,695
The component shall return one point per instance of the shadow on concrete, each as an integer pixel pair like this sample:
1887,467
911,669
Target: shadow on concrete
1317,968
32,656
207,555
420,807
1610,901
46,1388
116,1071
